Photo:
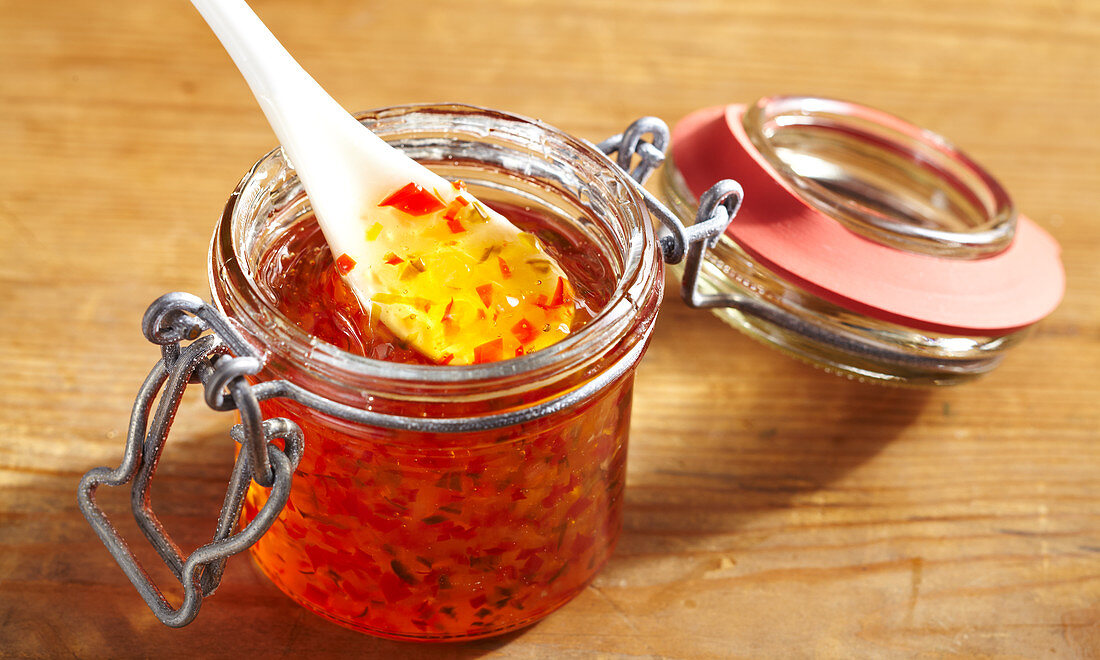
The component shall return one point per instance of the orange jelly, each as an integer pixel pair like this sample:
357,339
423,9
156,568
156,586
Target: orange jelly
421,536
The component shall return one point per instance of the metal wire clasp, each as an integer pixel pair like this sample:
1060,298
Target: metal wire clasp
218,361
717,207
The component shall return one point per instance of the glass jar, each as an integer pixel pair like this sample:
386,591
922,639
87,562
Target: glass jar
865,245
417,535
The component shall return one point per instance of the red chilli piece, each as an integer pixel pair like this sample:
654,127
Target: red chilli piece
454,225
392,259
525,332
414,200
486,293
490,351
446,358
344,264
505,271
459,184
563,294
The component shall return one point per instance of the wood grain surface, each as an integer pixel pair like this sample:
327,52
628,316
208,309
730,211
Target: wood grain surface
772,510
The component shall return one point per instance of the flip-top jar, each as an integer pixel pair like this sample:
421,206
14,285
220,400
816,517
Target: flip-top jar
866,245
421,535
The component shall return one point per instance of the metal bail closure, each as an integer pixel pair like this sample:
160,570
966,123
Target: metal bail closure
717,207
172,318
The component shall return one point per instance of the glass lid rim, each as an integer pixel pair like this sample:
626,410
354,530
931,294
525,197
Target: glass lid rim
907,138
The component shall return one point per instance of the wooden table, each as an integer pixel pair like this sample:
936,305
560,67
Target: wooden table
772,510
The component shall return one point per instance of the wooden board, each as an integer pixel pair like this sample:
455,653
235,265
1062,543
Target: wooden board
772,510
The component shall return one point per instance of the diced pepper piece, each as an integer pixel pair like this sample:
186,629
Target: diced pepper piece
539,264
486,293
344,264
374,231
455,226
459,184
402,572
490,351
563,293
414,200
480,211
392,259
488,252
505,271
525,332
446,358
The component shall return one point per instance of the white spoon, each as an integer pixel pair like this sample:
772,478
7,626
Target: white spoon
459,282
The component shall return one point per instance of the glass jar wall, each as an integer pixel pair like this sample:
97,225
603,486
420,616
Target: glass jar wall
439,536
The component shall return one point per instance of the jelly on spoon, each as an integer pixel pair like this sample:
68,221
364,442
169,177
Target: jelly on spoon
443,271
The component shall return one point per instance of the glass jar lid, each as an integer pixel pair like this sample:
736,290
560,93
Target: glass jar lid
874,214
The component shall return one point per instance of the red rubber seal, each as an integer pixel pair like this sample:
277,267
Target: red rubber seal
990,296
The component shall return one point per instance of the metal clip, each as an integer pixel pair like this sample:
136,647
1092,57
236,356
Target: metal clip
717,207
630,143
171,319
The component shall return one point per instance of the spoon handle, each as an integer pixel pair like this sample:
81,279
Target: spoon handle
282,87
330,150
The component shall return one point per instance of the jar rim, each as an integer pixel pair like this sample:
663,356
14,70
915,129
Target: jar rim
828,139
639,274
